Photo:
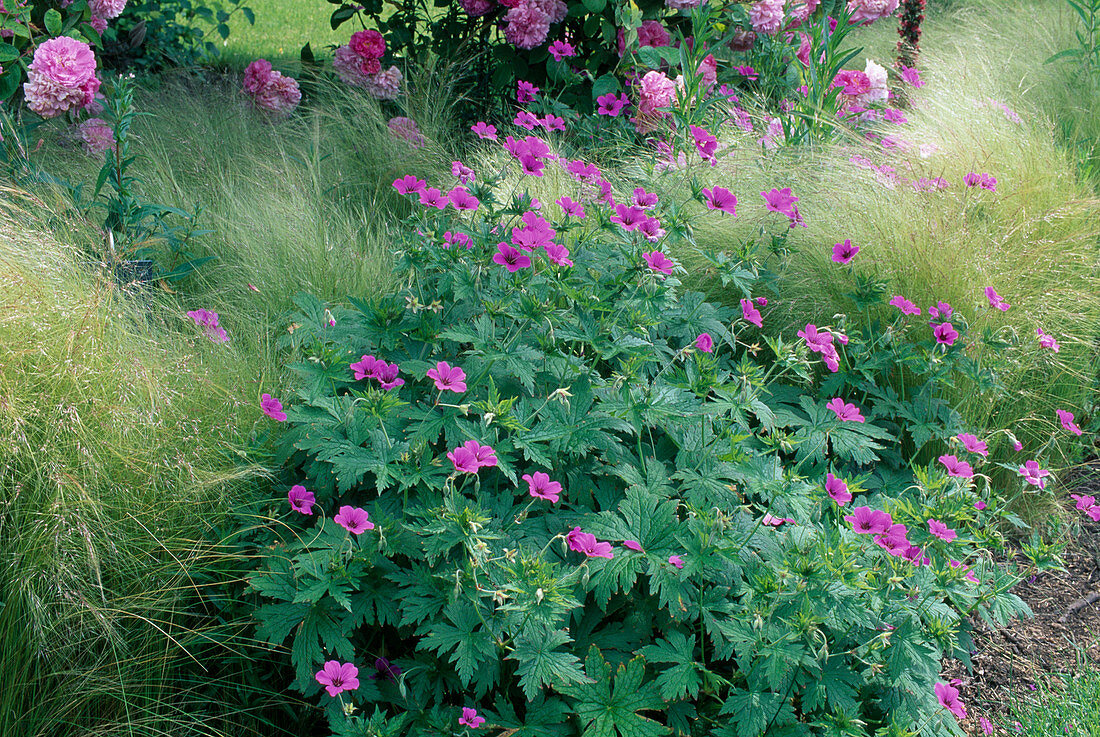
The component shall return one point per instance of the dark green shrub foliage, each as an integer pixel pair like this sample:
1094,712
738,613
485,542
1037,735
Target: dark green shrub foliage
731,597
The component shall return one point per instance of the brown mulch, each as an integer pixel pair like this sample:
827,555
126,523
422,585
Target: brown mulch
1064,635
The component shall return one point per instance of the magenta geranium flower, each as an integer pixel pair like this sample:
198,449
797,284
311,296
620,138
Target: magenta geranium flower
957,468
818,341
464,460
432,197
633,545
1047,341
968,573
457,239
657,261
945,333
705,343
1066,418
837,490
643,199
942,531
910,75
972,444
272,407
525,92
629,217
1033,474
720,198
561,49
541,487
470,718
781,201
980,505
353,519
448,377
409,184
706,143
461,199
771,520
364,368
948,697
386,374
583,542
301,500
338,677
895,540
570,208
844,412
611,104
464,173
484,131
749,313
1084,501
511,258
941,311
986,725
527,120
867,521
676,561
996,301
843,253
558,254
484,455
906,307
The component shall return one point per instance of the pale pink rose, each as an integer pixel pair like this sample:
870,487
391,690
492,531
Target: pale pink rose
386,85
555,9
527,25
60,77
407,130
107,9
279,95
256,75
801,10
476,8
681,4
655,92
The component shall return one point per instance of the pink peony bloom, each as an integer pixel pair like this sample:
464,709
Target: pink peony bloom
906,307
300,499
541,487
945,333
705,343
995,300
527,25
256,75
1033,474
511,258
107,9
1047,341
658,262
973,445
749,313
484,131
273,408
477,8
676,560
766,16
353,519
650,33
720,198
407,130
633,545
448,377
942,531
867,521
865,12
470,718
656,93
60,77
837,490
338,677
844,411
1066,418
583,542
368,44
843,253
956,468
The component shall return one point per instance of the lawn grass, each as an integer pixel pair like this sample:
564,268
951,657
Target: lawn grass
282,28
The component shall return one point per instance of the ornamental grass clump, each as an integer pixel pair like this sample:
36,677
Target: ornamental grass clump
585,517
